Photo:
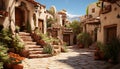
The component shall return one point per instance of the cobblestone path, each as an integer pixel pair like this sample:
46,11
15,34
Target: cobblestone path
73,59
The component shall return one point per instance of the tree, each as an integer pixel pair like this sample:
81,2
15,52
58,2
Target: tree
76,26
50,21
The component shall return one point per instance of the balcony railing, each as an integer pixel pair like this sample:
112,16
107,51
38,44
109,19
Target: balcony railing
68,30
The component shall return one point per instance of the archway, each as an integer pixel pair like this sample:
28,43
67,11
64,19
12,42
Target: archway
20,18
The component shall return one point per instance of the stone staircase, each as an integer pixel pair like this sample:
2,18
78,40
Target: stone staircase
34,50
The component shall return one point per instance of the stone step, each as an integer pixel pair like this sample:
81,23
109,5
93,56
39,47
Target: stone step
24,34
56,46
30,43
39,55
33,46
35,49
36,52
27,39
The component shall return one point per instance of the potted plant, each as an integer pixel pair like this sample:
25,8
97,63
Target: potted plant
48,49
17,29
84,40
16,60
99,51
4,58
18,44
112,50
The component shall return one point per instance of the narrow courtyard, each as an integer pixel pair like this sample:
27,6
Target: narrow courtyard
73,59
55,34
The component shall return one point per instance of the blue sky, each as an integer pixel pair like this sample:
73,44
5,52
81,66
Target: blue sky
73,7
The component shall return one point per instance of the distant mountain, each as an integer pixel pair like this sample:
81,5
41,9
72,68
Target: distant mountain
73,18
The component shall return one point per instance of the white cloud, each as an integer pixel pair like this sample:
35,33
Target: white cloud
72,15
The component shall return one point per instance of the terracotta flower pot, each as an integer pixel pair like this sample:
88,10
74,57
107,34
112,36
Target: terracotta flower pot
80,45
41,42
96,55
101,55
8,66
24,53
17,66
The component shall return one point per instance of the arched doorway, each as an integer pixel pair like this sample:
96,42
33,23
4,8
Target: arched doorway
20,18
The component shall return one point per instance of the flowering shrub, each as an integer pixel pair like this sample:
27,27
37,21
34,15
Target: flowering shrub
15,58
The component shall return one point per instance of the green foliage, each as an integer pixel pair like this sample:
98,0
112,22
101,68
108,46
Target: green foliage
49,22
1,65
46,38
3,53
101,46
17,29
52,11
76,26
17,44
6,37
64,47
113,49
87,10
85,39
48,49
9,41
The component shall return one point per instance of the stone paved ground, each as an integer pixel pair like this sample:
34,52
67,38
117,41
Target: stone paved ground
73,59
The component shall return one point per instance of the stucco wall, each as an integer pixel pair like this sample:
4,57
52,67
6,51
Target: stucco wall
97,9
109,19
42,15
10,5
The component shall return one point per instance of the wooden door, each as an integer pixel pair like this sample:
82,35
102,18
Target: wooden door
41,26
111,33
66,38
19,17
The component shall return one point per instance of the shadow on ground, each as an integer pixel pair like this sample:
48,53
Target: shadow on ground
84,59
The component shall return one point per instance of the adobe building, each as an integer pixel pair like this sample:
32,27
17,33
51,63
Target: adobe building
27,14
110,20
58,29
91,21
67,33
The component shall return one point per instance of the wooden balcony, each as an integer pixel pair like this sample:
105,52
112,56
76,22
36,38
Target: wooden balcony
93,21
67,30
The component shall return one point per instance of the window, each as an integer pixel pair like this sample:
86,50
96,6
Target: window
63,22
93,10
